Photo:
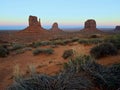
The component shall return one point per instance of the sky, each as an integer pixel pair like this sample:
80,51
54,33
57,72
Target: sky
68,13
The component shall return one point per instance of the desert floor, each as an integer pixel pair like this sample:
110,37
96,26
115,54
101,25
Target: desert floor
47,64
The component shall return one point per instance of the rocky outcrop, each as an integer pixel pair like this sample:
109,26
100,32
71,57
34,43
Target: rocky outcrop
34,25
55,28
90,27
90,24
117,28
33,21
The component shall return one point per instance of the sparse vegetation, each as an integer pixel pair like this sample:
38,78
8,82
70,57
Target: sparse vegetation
115,39
95,36
45,51
103,49
80,73
90,41
40,43
17,75
68,53
16,46
3,51
75,39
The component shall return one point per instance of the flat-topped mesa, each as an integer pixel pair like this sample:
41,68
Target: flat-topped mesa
55,28
90,27
33,21
117,28
90,24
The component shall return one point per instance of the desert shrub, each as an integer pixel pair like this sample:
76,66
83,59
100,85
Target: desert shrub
16,46
75,39
48,51
103,49
19,51
66,41
36,44
53,46
78,64
106,78
36,51
114,40
36,82
83,41
90,41
45,51
68,53
3,51
17,75
41,43
95,36
95,41
44,43
58,42
80,73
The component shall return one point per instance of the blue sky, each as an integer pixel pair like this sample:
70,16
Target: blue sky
68,13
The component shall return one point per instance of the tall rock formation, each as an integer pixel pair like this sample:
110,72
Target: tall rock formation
33,21
90,26
55,28
34,25
117,28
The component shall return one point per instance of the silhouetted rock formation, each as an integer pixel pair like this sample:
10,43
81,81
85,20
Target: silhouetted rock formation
55,28
90,24
90,27
33,21
34,25
117,28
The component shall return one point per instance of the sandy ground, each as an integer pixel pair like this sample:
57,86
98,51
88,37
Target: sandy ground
48,64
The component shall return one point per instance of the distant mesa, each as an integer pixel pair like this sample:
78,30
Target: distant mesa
117,28
90,26
55,28
34,25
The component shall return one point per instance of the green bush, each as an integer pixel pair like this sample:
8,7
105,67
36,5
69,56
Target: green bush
3,51
95,41
68,53
75,39
58,42
45,51
103,50
114,40
17,46
90,41
66,41
83,41
41,43
20,51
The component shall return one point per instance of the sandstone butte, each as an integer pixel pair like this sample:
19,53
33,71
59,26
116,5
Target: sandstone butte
34,26
117,28
55,28
90,26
